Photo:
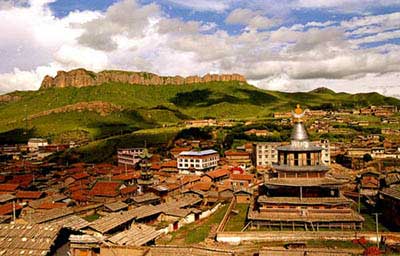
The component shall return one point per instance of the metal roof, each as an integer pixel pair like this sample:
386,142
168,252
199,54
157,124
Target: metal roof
198,153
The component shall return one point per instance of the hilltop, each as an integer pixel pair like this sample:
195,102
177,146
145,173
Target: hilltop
82,78
113,108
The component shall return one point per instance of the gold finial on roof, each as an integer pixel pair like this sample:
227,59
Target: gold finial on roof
298,110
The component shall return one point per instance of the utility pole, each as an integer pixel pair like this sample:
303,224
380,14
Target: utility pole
377,230
14,217
26,120
359,199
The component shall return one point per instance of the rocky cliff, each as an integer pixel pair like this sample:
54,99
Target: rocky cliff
83,78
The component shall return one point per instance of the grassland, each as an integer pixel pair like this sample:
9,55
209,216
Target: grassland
198,231
157,106
237,221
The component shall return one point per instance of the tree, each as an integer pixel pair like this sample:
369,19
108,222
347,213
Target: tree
367,157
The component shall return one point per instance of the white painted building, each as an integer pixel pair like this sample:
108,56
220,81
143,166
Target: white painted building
197,162
35,143
267,154
129,156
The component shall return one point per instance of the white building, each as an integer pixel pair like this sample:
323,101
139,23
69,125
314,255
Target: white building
326,150
197,161
129,156
266,152
35,143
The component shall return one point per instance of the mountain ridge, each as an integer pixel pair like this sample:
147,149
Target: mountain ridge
81,78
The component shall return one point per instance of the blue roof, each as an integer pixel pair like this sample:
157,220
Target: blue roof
198,153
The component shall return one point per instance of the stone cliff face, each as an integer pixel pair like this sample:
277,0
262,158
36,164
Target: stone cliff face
83,78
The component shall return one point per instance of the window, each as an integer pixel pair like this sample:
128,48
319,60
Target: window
308,158
296,159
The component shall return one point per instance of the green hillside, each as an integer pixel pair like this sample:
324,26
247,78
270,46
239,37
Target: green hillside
151,106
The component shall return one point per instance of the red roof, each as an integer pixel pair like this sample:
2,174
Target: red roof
127,176
128,190
155,166
169,164
8,187
7,209
217,173
204,186
80,196
79,176
23,180
236,153
247,177
50,205
108,189
29,194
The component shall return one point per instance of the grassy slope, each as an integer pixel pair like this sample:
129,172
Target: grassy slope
153,106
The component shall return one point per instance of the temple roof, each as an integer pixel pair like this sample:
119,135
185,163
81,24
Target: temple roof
294,168
303,182
305,200
310,217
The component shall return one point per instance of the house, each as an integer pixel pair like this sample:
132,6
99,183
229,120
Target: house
177,150
27,196
369,183
35,143
257,132
146,199
216,175
129,156
116,206
105,189
390,205
128,179
169,166
240,181
243,196
197,162
237,158
8,187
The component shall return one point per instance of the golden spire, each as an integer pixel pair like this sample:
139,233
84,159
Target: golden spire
298,114
298,109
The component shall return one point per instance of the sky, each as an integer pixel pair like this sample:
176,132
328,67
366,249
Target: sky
287,45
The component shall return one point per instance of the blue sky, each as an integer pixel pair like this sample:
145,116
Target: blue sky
289,45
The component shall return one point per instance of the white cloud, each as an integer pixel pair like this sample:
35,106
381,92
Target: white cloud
250,18
204,5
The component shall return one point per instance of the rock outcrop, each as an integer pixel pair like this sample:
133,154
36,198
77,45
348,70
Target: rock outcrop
83,78
99,107
8,98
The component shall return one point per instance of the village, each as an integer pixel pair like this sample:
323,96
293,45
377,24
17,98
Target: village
335,180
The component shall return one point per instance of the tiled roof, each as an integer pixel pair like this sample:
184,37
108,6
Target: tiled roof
29,194
128,190
8,208
23,180
8,187
204,186
108,189
127,176
79,176
217,173
50,205
169,164
247,177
